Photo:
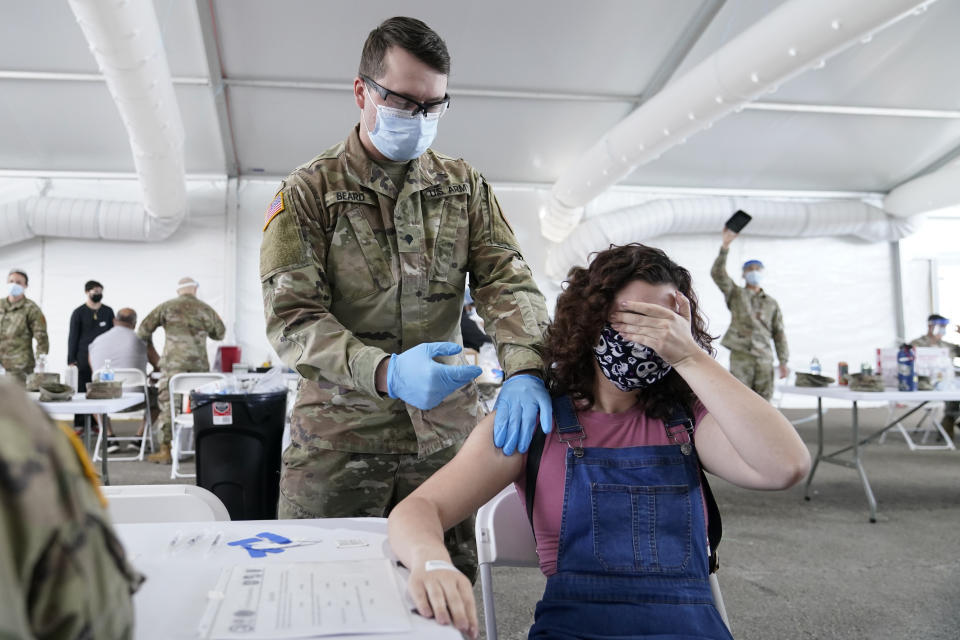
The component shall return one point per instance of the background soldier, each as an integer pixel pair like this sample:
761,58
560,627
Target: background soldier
755,321
364,260
63,573
187,323
21,322
936,329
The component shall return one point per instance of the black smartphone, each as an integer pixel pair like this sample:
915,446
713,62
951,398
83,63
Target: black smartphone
738,221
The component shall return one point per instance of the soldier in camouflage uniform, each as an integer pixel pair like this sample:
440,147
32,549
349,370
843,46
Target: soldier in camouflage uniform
21,322
936,329
187,323
755,321
63,573
364,257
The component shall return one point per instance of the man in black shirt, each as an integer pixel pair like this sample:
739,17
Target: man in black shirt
88,321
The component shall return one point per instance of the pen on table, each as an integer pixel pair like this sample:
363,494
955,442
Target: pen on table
216,539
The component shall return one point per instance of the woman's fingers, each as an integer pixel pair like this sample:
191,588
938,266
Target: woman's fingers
645,308
447,597
418,593
438,602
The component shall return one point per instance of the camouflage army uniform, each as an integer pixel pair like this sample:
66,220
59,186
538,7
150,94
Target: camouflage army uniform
354,269
187,323
755,321
63,573
21,322
951,408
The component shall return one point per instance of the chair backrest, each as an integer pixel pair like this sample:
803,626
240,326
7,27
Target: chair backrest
128,377
163,503
503,532
504,537
187,382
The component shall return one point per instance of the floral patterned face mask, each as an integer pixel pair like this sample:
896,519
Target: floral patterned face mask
627,365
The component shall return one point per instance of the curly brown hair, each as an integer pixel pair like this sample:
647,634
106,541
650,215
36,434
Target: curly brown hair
582,309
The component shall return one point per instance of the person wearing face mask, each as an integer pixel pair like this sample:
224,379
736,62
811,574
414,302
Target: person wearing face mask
87,321
364,260
936,329
755,321
617,499
21,322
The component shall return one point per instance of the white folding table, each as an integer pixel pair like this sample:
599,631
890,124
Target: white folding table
80,405
183,561
849,456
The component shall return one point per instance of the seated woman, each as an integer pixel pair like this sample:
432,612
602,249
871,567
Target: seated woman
619,516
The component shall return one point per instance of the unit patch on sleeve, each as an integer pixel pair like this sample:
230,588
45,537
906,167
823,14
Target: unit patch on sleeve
275,207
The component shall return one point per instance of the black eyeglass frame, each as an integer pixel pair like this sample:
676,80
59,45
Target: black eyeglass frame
422,107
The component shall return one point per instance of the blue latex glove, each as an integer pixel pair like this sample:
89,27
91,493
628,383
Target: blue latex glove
416,378
520,399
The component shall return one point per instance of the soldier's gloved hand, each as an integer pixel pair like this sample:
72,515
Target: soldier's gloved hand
416,378
521,398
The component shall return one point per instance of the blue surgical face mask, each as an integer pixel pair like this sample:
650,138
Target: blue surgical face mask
754,277
627,365
399,135
14,289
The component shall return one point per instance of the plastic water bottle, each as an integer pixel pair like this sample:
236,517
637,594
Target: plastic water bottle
907,368
815,366
106,375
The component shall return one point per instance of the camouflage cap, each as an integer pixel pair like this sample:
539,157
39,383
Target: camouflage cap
813,380
34,380
54,392
104,389
865,382
924,383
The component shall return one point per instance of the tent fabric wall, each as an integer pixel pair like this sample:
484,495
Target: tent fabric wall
839,283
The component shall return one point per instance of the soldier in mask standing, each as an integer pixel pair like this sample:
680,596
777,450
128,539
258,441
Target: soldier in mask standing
21,322
755,322
363,265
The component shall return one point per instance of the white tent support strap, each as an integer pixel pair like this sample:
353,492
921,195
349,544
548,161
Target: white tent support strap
772,218
125,39
796,36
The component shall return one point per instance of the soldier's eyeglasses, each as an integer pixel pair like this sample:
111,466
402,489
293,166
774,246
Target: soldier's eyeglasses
396,100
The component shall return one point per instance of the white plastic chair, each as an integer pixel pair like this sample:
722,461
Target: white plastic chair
184,383
129,378
928,425
163,503
504,537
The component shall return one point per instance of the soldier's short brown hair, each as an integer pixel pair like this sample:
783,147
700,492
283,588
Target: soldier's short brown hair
410,34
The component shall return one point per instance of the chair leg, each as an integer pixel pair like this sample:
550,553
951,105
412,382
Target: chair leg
174,450
96,447
489,612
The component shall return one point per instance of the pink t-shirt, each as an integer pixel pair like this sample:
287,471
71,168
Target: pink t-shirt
607,430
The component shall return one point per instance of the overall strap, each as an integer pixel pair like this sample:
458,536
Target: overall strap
568,429
679,423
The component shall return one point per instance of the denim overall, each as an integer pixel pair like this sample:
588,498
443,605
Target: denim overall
632,560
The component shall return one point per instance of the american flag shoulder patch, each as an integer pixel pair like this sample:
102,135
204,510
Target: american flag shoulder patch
275,207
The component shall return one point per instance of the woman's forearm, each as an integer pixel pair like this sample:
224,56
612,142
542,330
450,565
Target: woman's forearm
764,439
416,533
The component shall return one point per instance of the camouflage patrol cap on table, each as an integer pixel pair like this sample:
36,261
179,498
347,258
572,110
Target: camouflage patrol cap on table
54,391
813,380
104,389
924,383
34,380
865,382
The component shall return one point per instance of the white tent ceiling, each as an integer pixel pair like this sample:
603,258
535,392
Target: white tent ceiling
534,84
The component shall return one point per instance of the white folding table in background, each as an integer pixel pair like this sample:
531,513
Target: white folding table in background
80,405
183,562
849,456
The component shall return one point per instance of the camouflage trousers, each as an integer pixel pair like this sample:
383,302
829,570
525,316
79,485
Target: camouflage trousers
320,483
164,433
754,372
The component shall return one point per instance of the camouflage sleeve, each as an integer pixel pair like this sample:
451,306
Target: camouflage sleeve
507,298
215,327
719,273
780,337
149,324
63,572
297,296
38,327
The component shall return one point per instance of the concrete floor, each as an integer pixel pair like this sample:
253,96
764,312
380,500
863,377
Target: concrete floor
818,569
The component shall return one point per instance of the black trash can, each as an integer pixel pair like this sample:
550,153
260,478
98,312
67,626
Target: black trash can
238,441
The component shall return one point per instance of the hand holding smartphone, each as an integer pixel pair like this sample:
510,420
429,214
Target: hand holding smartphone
738,221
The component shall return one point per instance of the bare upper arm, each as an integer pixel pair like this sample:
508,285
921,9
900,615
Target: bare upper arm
475,475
